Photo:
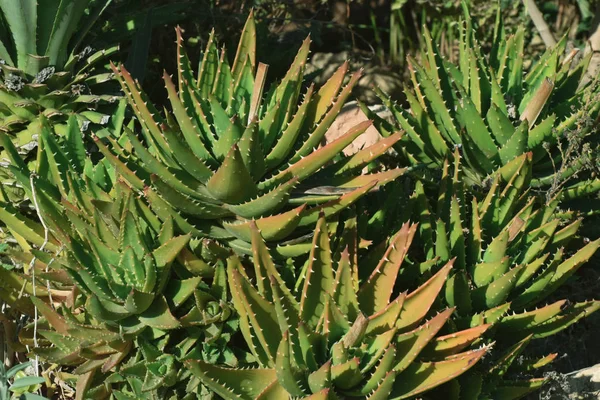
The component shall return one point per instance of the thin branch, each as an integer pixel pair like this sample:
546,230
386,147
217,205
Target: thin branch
593,46
32,267
540,24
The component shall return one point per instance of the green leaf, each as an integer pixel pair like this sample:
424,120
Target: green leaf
276,227
22,21
497,292
246,384
286,376
246,47
189,130
159,316
310,164
375,292
269,203
410,344
21,383
232,183
417,304
516,145
318,280
260,313
289,136
510,390
19,367
422,376
319,131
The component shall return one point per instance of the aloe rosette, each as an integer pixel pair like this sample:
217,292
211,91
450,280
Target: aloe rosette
107,277
494,108
511,253
333,337
45,70
232,151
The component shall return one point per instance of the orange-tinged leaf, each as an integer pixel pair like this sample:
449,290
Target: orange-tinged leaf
410,344
422,376
417,304
386,318
452,343
273,228
382,179
375,293
326,95
319,280
304,167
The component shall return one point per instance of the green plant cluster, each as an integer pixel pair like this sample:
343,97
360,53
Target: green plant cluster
216,247
550,110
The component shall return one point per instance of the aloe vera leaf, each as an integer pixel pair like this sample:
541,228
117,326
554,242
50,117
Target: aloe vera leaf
232,183
186,204
527,320
417,304
325,96
319,131
159,316
186,124
290,134
516,145
566,319
497,292
319,279
265,269
501,365
510,389
363,157
286,375
385,319
321,378
450,344
422,376
251,151
231,382
25,227
410,344
269,203
346,375
272,228
310,216
310,164
343,290
260,313
375,292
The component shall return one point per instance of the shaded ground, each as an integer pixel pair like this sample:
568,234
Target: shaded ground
578,346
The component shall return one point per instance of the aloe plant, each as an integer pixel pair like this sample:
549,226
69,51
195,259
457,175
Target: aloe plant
227,153
107,277
47,72
495,108
61,151
45,68
511,252
335,337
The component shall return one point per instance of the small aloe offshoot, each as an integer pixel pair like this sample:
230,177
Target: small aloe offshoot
494,111
509,257
232,151
336,338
